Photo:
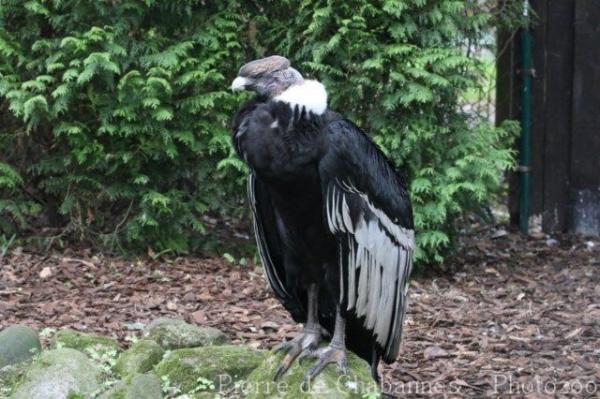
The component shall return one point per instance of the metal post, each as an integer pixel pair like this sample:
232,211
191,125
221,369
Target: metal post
525,117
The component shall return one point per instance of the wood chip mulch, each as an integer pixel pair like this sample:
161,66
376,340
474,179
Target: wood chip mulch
512,316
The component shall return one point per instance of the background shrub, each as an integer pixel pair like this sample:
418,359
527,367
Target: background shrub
116,113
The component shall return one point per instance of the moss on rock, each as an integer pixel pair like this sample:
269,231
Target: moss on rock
59,373
18,343
208,368
137,386
199,372
84,342
139,358
10,376
328,384
176,333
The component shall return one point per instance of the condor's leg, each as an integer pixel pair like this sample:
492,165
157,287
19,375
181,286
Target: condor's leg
335,352
308,340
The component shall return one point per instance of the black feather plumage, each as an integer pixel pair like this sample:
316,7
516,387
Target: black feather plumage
329,207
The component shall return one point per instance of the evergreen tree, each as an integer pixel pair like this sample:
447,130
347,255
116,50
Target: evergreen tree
116,114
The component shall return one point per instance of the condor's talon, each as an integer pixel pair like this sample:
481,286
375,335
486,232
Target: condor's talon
344,368
280,347
286,362
307,342
327,356
308,353
304,356
282,368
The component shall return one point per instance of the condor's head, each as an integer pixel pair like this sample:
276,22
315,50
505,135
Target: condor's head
273,78
269,77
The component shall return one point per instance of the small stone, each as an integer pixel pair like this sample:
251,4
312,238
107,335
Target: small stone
134,325
84,342
45,272
138,386
139,358
59,374
18,343
199,316
208,368
499,234
269,325
176,333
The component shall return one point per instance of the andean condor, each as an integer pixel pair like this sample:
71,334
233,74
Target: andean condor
332,218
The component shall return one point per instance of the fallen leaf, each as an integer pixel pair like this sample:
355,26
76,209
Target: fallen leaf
189,297
254,344
575,332
205,296
530,331
433,352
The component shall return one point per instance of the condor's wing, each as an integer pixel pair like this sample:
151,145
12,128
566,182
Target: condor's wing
265,221
269,246
368,209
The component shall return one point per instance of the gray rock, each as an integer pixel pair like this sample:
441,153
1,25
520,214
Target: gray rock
139,358
208,368
176,333
84,342
138,386
328,384
18,343
59,374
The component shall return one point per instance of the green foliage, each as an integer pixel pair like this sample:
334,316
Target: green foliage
127,105
116,113
13,211
5,244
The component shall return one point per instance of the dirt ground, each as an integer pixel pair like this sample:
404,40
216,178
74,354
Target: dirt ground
511,316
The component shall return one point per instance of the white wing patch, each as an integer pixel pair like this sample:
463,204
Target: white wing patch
379,262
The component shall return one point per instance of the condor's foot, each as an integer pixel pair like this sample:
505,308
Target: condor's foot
326,355
305,343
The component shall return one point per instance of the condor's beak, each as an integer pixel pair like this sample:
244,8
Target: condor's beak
240,83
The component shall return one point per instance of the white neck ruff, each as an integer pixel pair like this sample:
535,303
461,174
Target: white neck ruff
310,94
